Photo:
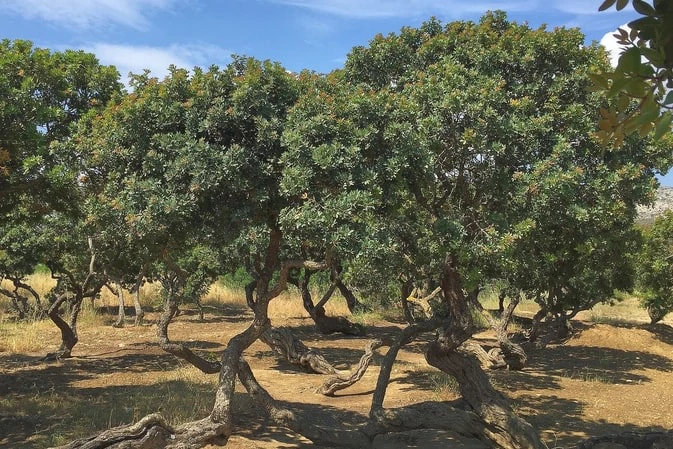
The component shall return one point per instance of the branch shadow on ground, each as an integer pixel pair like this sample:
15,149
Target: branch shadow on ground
54,416
591,363
564,420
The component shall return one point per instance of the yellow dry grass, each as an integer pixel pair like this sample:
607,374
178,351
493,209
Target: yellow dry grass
287,305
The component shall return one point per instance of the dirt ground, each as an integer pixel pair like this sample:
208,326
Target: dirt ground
605,379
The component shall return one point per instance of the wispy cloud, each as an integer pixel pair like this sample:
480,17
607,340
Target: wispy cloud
87,14
581,7
446,8
406,8
130,58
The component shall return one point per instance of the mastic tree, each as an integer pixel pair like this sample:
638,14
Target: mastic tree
642,82
43,93
484,134
188,166
654,265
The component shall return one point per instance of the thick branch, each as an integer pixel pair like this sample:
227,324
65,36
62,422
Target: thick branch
179,350
284,342
406,336
340,382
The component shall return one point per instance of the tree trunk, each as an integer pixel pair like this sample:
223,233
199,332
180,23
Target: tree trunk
352,302
179,350
340,382
121,316
140,314
511,354
326,325
406,288
503,427
282,341
68,331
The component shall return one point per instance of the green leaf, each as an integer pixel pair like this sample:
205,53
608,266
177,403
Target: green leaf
599,80
644,8
663,125
606,5
618,85
623,103
644,23
629,61
669,98
655,57
621,4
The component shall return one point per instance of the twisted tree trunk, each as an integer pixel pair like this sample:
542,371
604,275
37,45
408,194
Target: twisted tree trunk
325,324
121,315
340,382
447,353
285,343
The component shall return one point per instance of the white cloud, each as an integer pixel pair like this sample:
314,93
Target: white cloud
87,14
610,43
130,58
407,8
446,8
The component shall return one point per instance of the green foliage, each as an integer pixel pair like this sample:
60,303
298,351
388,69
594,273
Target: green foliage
42,94
237,279
474,141
655,267
643,78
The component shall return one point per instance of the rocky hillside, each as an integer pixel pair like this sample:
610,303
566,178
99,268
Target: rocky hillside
664,202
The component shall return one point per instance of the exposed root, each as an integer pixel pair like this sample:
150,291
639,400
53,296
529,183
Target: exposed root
150,432
285,343
334,384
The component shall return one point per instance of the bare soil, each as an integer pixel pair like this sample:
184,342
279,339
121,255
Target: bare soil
605,379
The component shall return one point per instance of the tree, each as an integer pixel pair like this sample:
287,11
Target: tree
643,78
479,136
655,267
43,94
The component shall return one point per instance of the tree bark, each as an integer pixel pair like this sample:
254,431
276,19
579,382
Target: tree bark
511,354
502,426
326,325
406,288
285,343
340,382
68,334
179,350
140,313
406,336
121,316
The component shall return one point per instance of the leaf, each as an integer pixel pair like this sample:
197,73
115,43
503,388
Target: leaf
663,125
621,4
618,85
643,23
655,57
599,80
644,8
669,98
629,60
623,103
606,5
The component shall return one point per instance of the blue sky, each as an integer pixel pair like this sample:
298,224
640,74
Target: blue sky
301,34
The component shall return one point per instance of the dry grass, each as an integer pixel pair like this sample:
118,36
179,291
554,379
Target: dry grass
182,394
287,305
27,338
627,310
